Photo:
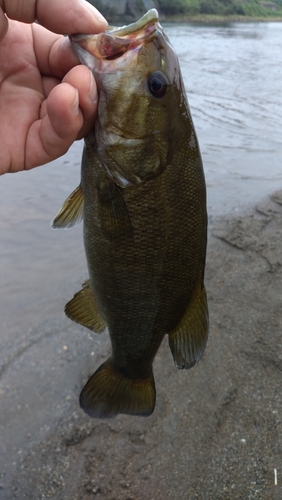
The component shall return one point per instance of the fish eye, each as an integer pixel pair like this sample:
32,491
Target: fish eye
157,84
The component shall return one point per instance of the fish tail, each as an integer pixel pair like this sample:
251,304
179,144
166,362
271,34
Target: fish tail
108,392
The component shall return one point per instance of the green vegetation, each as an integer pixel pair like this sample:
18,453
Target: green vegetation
198,10
247,8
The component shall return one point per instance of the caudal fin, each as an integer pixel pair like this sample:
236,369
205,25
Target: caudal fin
108,393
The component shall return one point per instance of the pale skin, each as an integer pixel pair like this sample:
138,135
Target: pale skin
47,100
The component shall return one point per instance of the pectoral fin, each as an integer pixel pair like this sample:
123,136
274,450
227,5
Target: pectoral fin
113,210
188,339
71,212
83,310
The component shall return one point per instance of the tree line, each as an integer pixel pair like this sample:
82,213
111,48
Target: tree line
190,8
249,8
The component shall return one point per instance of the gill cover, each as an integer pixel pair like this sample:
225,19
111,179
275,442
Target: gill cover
135,69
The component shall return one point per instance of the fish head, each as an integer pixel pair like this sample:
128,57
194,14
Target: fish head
142,102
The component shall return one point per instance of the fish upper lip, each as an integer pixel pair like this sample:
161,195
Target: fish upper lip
151,17
114,41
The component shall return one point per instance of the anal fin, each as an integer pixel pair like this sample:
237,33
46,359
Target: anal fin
188,339
71,212
83,310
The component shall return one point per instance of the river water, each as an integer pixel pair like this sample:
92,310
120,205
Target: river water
233,77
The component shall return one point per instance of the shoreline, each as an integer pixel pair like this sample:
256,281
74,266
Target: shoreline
214,19
199,19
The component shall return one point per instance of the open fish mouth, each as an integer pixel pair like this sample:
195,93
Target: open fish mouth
132,64
115,42
143,201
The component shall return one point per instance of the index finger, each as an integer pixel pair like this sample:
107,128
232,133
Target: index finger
64,16
54,54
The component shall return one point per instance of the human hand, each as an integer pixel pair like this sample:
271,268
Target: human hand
47,100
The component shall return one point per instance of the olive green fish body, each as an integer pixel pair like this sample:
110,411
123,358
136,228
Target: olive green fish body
144,270
145,223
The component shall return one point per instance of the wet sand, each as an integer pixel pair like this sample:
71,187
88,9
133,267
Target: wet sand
216,430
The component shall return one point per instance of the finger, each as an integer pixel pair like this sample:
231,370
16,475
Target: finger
54,54
3,24
82,79
70,16
65,16
52,136
24,11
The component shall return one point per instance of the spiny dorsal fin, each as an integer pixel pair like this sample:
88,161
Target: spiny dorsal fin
108,392
83,310
188,339
71,212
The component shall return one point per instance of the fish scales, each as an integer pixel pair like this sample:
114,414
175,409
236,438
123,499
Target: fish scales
145,224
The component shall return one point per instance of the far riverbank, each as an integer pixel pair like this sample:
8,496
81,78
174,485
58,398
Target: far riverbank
201,19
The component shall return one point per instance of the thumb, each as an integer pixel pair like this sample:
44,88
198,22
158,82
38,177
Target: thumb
3,24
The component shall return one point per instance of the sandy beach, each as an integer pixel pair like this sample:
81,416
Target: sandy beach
216,430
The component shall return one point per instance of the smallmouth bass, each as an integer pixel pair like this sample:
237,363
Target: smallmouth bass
143,200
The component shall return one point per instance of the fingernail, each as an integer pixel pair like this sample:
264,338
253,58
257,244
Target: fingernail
92,94
75,104
98,16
